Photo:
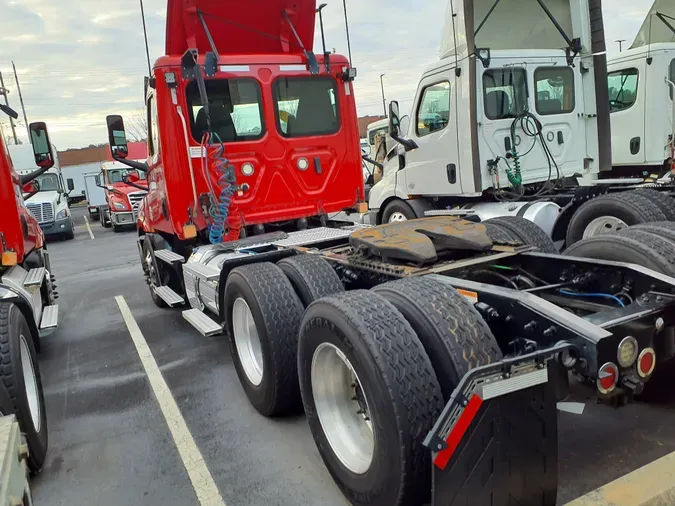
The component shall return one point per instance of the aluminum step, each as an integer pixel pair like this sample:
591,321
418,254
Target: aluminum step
205,325
50,317
169,256
169,296
312,236
202,271
35,277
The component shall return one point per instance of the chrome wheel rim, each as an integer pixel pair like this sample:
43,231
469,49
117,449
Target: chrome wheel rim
604,225
342,408
397,216
247,341
30,383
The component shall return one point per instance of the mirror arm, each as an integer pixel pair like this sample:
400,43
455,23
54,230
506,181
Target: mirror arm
27,178
132,163
376,164
408,144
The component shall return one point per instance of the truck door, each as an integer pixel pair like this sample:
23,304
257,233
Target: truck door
627,106
433,169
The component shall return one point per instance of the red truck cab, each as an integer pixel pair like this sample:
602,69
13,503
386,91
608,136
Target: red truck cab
125,189
248,130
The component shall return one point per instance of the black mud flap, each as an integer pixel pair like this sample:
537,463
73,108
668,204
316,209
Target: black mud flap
496,442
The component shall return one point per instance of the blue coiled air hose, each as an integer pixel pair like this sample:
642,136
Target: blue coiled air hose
227,186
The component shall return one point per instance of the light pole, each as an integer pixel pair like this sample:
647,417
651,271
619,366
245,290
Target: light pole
620,41
384,101
349,44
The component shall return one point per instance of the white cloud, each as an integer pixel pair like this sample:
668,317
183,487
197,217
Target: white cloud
78,60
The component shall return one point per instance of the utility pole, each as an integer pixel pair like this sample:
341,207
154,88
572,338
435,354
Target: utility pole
620,41
384,101
5,92
23,108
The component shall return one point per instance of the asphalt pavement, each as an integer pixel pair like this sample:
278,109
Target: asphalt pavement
110,445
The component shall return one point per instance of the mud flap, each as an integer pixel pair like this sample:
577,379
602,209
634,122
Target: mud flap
496,442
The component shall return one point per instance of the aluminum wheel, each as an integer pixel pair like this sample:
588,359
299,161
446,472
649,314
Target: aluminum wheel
603,225
342,408
30,383
397,216
247,341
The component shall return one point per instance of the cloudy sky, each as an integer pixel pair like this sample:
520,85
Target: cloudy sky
78,60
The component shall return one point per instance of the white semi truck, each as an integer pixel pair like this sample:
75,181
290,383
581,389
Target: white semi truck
514,122
50,205
641,90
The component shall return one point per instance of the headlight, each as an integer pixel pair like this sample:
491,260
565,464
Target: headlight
119,206
63,213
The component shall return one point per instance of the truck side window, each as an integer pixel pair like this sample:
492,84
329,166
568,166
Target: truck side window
235,107
153,131
306,106
623,86
671,77
555,90
433,113
505,93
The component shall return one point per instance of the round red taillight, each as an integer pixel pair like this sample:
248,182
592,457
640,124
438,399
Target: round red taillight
608,377
646,362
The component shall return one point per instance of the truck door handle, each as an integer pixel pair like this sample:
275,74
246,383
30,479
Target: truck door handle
634,145
507,144
452,173
561,139
317,165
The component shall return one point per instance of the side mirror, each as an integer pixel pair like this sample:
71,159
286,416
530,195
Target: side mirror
97,179
42,147
394,120
71,184
32,187
117,137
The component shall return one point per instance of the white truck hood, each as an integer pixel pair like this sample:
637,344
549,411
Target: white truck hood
45,197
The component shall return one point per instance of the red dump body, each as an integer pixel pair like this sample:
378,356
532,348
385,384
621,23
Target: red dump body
18,228
292,137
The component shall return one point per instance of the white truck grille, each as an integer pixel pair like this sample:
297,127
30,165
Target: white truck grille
43,213
135,199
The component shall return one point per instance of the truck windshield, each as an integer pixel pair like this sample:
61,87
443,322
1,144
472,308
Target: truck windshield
235,106
116,176
306,106
505,93
49,183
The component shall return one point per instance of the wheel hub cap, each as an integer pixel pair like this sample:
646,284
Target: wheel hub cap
30,383
604,225
342,408
247,341
397,216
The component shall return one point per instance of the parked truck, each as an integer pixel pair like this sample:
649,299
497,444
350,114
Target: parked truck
50,205
641,89
28,312
123,190
408,342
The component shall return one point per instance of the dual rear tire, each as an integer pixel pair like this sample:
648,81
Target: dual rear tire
372,369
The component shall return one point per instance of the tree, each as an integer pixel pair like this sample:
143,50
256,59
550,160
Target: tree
136,126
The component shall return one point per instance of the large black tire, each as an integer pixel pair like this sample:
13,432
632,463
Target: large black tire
637,247
312,277
154,274
661,199
525,231
664,229
277,312
452,331
630,207
105,218
21,378
398,206
401,392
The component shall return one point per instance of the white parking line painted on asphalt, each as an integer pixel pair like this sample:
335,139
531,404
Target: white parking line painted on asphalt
86,222
200,476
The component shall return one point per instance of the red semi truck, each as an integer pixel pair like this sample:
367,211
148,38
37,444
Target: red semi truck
124,191
28,309
405,344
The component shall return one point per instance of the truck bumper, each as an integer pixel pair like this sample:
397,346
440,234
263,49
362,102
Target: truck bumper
57,227
123,219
